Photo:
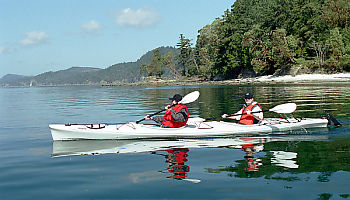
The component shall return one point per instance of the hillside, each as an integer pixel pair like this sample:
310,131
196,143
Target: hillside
128,72
11,77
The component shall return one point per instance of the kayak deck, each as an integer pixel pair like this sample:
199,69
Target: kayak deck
195,128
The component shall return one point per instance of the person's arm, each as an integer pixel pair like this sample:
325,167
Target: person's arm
180,116
157,119
259,116
237,117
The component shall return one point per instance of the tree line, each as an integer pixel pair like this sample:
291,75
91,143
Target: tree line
264,37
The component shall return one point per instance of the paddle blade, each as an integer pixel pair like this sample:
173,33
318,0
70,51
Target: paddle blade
191,97
192,180
284,108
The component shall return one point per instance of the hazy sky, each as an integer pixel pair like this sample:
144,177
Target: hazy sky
49,35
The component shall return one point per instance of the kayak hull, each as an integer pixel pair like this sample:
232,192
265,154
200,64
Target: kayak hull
194,129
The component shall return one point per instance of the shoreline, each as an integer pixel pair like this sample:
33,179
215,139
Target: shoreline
270,79
340,78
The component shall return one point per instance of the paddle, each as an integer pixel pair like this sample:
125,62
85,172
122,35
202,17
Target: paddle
283,108
191,97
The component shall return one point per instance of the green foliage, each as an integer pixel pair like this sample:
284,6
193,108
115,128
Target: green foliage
185,56
155,67
206,48
336,46
169,62
336,12
270,35
273,52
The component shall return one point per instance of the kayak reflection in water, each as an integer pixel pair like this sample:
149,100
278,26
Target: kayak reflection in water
253,163
176,160
176,114
250,149
251,112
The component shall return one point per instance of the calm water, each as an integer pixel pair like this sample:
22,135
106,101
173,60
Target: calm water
312,164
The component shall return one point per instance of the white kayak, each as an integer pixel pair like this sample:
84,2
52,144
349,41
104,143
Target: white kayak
195,128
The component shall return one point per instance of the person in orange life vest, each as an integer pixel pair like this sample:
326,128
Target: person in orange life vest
176,115
249,107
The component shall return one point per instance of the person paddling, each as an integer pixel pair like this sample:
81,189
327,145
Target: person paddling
176,114
248,118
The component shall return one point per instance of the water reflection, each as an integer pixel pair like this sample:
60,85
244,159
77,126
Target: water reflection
263,156
298,156
253,163
284,159
176,159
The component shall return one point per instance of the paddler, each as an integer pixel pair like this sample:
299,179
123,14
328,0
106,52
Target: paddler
176,114
251,111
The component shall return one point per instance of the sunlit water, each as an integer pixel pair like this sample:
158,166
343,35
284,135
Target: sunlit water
305,164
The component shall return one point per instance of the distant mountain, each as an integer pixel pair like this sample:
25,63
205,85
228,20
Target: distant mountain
11,77
119,73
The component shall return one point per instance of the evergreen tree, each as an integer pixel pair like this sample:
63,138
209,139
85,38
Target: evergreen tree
269,35
168,62
184,57
155,67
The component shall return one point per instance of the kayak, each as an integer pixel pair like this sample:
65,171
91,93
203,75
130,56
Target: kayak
96,147
195,128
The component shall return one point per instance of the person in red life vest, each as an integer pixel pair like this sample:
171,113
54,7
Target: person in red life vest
176,114
248,110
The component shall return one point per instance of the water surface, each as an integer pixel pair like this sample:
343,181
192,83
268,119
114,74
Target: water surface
313,164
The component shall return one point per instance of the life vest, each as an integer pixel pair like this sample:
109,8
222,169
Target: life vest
248,119
169,121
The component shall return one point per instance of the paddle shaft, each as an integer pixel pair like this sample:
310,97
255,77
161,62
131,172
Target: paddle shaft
156,113
191,97
250,113
237,114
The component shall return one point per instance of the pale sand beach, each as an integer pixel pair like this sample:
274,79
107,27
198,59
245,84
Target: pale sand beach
270,79
305,77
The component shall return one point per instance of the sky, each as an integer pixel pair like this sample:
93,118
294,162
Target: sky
38,36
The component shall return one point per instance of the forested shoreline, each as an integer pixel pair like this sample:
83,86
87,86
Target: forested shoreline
255,38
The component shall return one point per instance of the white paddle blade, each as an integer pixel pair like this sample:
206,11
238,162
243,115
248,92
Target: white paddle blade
192,180
191,97
284,108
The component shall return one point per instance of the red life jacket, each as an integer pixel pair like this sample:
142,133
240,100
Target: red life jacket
169,121
248,119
